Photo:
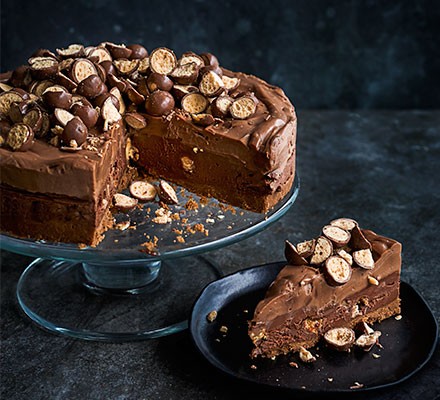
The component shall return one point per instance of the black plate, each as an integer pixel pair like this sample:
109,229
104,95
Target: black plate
408,343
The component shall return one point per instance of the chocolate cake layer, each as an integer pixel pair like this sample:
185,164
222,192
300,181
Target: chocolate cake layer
247,163
59,196
300,306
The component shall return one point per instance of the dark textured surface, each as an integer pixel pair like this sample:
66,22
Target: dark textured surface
324,54
378,167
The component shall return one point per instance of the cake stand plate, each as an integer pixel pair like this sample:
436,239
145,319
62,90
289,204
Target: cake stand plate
135,284
408,344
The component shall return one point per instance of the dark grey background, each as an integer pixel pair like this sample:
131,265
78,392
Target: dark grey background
325,54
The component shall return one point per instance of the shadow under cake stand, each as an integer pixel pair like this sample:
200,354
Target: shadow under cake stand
118,292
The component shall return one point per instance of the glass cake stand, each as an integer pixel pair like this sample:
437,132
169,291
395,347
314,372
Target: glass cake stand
133,285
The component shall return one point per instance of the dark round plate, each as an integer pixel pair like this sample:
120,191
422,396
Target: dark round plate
407,343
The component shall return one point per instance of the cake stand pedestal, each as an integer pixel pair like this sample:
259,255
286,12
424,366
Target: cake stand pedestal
118,292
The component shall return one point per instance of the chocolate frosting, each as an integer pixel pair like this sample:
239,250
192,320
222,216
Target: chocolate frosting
46,169
299,292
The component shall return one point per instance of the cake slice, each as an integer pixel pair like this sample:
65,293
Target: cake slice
342,278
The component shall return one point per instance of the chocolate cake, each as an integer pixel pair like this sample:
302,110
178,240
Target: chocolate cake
345,277
76,123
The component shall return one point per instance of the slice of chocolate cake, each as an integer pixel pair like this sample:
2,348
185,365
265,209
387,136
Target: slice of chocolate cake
344,277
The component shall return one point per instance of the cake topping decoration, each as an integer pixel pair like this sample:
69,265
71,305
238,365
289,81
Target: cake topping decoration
306,356
341,339
75,130
63,116
118,50
358,240
337,235
133,94
123,202
73,51
231,83
126,67
57,96
87,113
323,250
110,113
135,120
364,258
337,270
81,69
77,81
368,340
203,119
43,67
220,106
344,223
306,248
159,103
194,103
186,74
7,99
211,84
179,91
91,87
243,107
137,51
167,193
163,61
142,191
20,137
292,255
157,81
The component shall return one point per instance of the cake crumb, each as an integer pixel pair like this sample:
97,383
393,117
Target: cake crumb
175,216
199,227
221,216
373,281
223,329
330,379
82,246
203,200
357,385
191,205
210,220
163,216
398,317
294,364
376,356
180,239
253,366
177,231
306,356
150,246
122,226
212,316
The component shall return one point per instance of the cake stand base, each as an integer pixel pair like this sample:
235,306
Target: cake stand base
111,302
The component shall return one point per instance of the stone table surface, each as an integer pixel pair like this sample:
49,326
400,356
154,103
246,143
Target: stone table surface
380,167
